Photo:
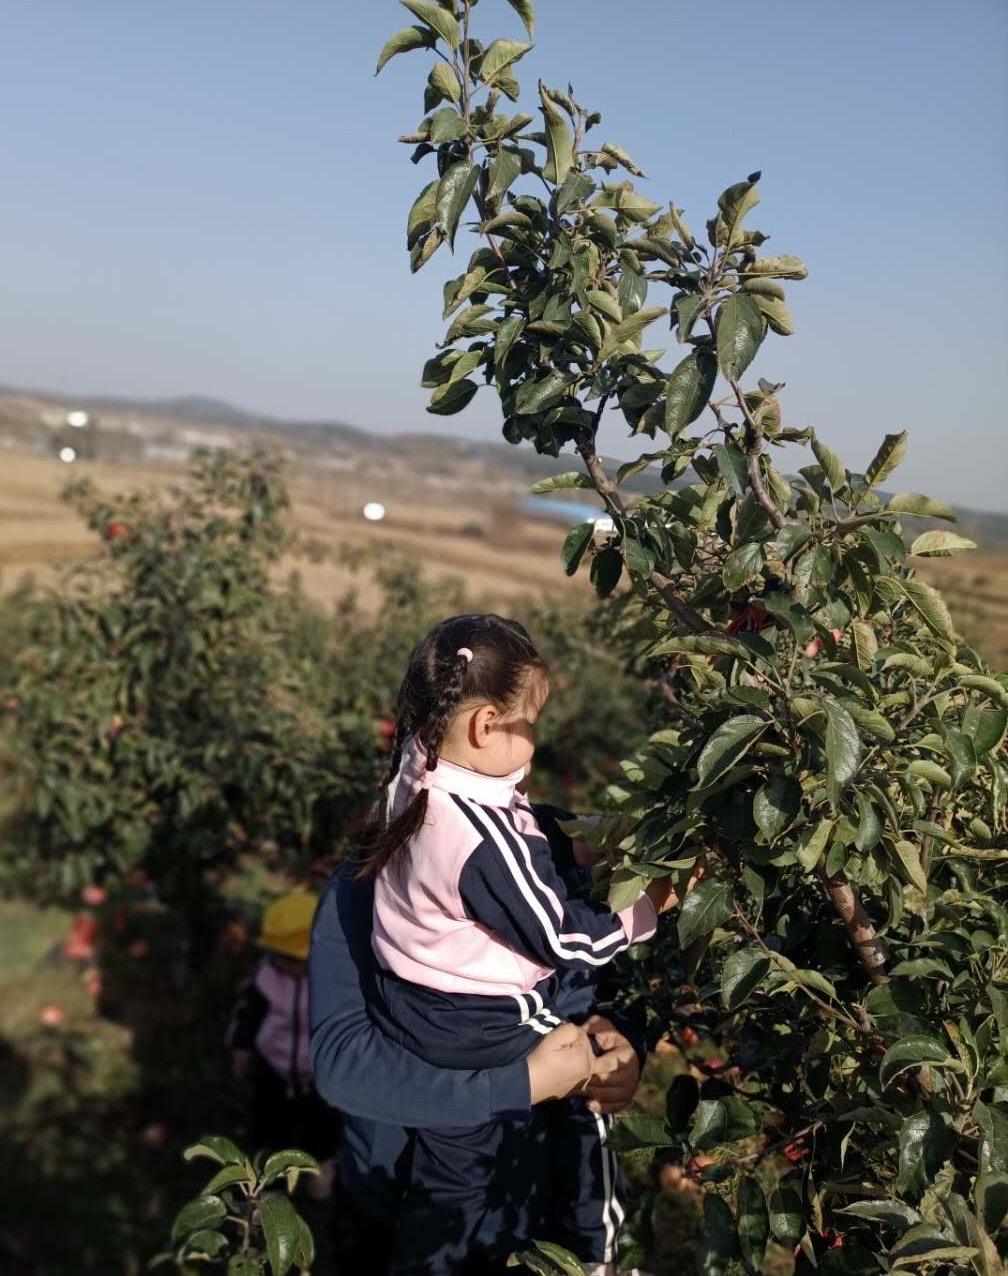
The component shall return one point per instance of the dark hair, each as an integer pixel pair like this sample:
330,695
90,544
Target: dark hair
438,679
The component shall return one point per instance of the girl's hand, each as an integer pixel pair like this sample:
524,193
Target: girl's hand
560,1064
617,1069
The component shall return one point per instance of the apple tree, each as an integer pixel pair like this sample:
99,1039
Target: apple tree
830,744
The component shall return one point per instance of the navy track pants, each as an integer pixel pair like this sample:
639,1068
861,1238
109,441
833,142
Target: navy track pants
465,1184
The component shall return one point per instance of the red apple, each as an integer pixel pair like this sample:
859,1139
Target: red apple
115,529
51,1015
154,1135
94,896
139,948
79,944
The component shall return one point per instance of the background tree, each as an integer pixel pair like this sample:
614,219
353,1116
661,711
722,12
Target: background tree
831,745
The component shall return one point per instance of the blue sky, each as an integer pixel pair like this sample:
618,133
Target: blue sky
208,198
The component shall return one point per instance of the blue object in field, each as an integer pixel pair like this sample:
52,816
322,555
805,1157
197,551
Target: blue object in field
569,512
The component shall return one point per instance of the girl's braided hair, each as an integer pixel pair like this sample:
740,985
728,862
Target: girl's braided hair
440,678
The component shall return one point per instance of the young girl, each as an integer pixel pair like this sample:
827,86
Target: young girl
480,946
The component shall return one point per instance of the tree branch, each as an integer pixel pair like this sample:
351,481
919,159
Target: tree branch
613,499
865,940
753,448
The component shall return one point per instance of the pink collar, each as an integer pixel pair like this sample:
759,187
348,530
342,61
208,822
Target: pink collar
491,790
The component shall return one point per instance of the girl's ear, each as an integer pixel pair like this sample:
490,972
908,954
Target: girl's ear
481,722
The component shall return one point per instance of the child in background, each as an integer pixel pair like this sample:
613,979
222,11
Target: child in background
268,1040
480,946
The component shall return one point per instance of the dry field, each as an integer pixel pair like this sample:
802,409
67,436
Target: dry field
487,543
484,540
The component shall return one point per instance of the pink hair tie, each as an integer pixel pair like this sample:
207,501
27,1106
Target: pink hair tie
464,651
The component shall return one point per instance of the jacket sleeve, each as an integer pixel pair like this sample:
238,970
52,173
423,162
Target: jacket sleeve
509,885
359,1070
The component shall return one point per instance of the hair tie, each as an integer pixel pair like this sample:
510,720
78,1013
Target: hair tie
464,651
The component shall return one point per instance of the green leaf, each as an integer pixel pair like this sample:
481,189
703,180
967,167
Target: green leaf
842,747
437,18
537,396
689,389
784,267
753,1223
739,334
559,141
776,805
940,544
911,1052
606,569
733,205
742,973
961,753
791,538
217,1148
452,397
403,42
885,460
812,844
742,564
446,125
198,1214
285,1160
893,1213
500,54
731,741
991,1195
869,829
505,167
638,1130
831,464
864,643
993,1123
281,1232
787,1215
731,461
574,546
704,909
444,80
526,12
914,503
924,1142
508,332
567,1262
561,482
719,1121
776,313
909,858
987,686
453,194
985,727
638,559
206,1242
629,329
229,1175
621,157
720,1243
924,769
575,190
924,1245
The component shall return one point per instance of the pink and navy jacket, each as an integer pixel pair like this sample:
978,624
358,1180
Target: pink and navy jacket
270,1019
476,906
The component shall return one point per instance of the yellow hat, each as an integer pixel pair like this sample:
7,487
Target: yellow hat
286,924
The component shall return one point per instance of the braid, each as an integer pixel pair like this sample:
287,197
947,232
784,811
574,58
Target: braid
444,710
